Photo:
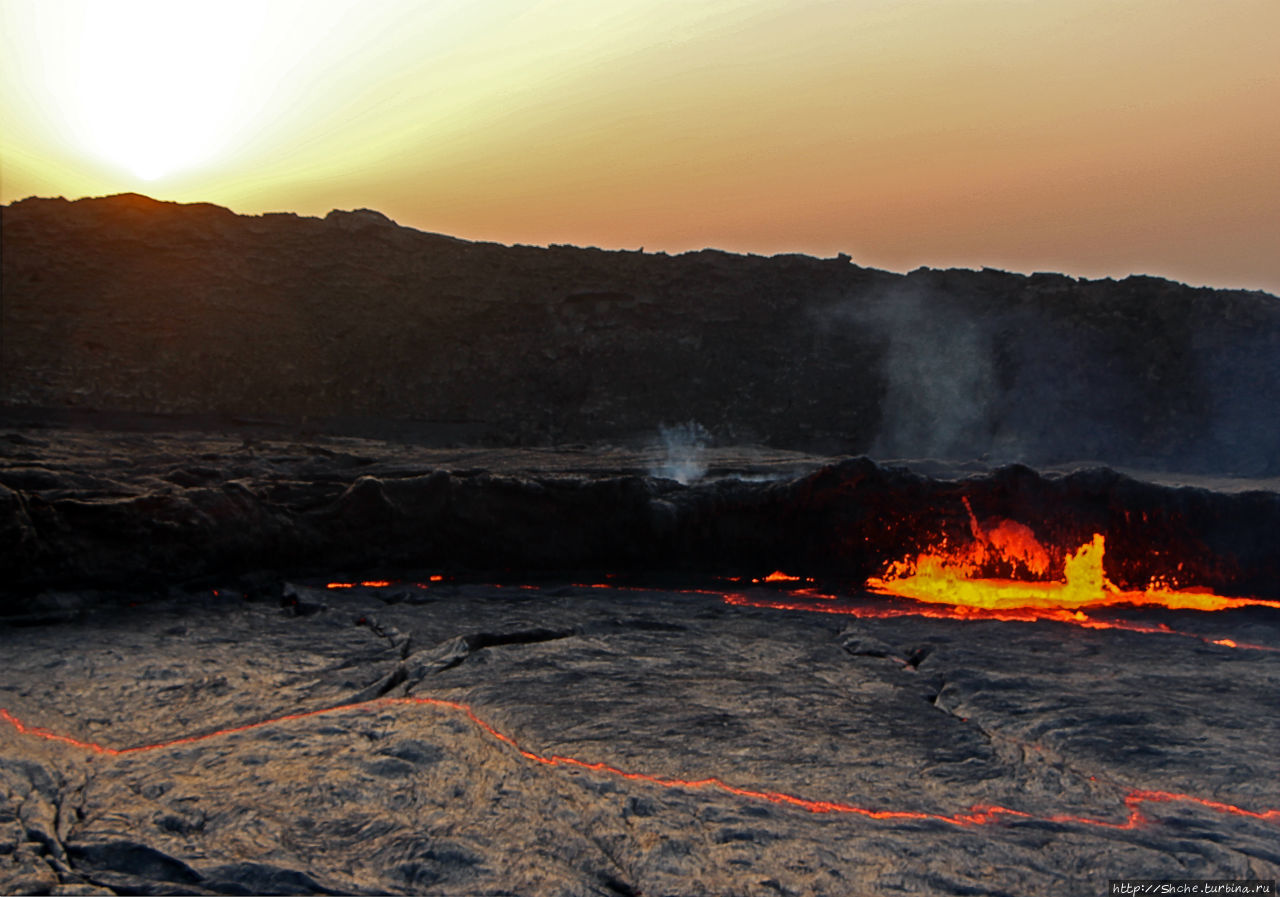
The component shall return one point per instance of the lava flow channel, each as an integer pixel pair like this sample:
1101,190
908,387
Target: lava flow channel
978,814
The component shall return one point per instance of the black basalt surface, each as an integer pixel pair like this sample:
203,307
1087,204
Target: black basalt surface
189,709
849,756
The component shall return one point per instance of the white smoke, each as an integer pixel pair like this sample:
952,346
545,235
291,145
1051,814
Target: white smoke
940,381
684,450
940,384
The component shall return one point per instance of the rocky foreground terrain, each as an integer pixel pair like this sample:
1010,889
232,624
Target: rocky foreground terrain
562,680
462,738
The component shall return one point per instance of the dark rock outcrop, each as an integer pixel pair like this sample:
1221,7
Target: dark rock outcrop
352,322
127,511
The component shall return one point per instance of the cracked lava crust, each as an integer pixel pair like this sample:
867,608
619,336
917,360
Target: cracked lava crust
982,699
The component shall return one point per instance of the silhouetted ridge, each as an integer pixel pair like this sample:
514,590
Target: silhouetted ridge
354,323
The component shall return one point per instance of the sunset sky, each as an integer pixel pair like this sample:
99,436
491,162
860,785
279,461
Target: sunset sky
1094,137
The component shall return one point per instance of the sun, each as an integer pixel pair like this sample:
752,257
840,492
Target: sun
197,98
160,84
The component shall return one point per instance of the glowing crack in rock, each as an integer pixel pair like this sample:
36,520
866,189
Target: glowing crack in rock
814,601
811,600
978,814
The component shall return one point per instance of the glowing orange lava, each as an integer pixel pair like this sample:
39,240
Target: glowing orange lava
952,576
978,814
947,583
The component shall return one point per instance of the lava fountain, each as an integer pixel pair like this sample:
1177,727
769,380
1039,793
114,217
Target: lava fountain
950,581
953,577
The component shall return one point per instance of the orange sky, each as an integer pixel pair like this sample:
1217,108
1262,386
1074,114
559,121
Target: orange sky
1095,137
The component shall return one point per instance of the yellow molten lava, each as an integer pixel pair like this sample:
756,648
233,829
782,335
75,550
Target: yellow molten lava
942,577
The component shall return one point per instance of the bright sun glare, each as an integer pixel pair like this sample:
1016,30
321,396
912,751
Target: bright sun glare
160,84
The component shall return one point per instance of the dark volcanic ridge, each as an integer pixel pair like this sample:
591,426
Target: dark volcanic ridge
354,324
132,511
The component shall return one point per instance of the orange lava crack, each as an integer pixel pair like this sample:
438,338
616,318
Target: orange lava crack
979,814
809,601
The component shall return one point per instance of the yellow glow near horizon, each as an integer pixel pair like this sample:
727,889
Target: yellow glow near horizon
1086,136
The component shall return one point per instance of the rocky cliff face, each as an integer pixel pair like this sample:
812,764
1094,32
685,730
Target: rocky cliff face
128,304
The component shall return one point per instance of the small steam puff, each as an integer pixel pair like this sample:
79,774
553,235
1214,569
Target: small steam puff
684,448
